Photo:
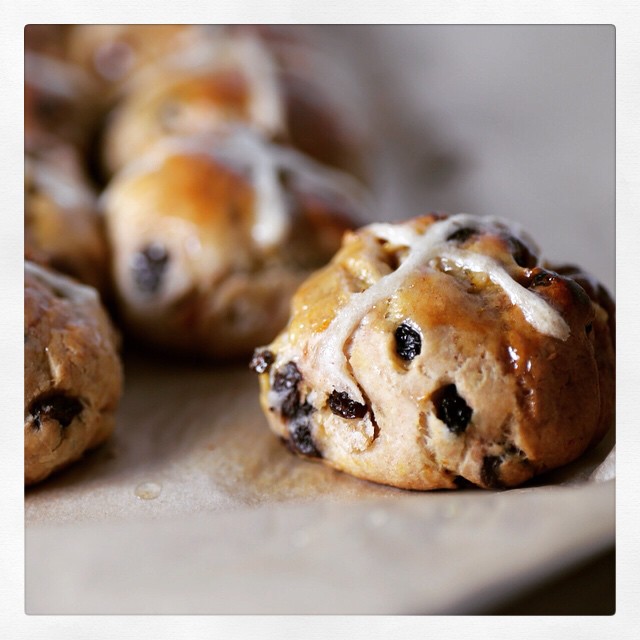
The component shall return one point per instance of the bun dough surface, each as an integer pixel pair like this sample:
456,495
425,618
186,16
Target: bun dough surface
211,236
73,374
63,228
438,352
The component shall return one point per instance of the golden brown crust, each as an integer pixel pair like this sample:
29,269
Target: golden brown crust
604,340
73,375
192,273
490,398
172,104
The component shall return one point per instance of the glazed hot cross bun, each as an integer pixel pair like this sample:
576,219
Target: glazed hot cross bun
438,352
211,236
233,77
72,371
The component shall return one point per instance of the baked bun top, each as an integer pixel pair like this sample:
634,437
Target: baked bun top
443,311
194,211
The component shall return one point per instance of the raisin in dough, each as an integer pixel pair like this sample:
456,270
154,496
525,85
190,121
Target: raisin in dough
211,236
438,352
73,375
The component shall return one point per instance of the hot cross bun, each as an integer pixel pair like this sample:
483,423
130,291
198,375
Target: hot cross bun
439,352
73,374
211,236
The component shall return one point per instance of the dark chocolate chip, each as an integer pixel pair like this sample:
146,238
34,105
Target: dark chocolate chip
148,267
285,383
452,409
300,432
462,234
408,342
342,405
55,406
589,328
490,472
521,254
262,360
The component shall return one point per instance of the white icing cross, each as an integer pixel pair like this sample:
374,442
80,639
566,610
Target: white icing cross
327,349
267,160
241,147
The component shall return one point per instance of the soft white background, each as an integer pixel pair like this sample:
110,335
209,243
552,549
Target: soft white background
622,14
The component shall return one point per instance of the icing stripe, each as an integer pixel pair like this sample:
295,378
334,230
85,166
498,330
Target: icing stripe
536,310
243,148
327,349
